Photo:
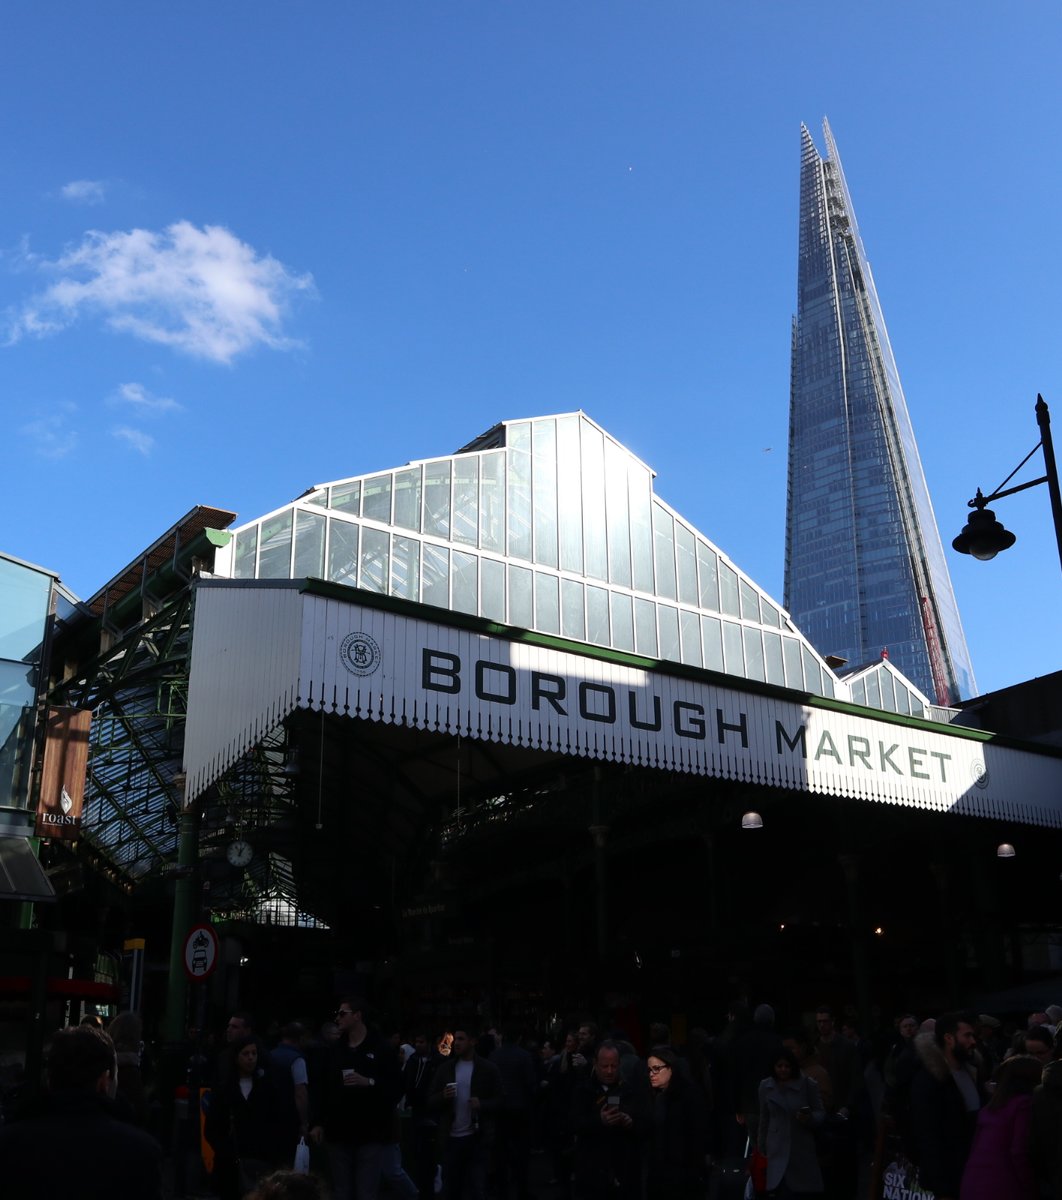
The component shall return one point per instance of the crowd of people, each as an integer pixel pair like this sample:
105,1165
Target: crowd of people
948,1106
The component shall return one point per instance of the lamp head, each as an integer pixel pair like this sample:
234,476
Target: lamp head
983,536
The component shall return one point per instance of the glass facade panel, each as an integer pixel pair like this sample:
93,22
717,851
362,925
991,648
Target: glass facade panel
245,554
405,567
573,624
346,497
829,683
320,498
437,499
376,499
750,602
343,552
733,650
772,653
24,612
888,692
465,582
771,615
466,500
17,696
518,440
754,665
873,690
492,589
811,669
664,545
712,635
640,499
691,639
547,602
544,490
708,574
728,591
435,575
686,553
669,633
859,691
274,559
595,547
794,672
309,545
407,499
645,627
597,625
622,621
521,598
617,517
492,502
375,560
570,497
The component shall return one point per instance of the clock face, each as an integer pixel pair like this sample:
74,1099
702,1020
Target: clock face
240,853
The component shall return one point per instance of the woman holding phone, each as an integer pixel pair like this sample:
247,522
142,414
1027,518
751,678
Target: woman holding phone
790,1108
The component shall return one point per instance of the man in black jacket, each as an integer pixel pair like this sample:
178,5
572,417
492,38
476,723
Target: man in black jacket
354,1110
72,1143
945,1100
610,1121
465,1094
417,1076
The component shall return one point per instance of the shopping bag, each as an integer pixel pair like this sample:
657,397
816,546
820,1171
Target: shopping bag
302,1158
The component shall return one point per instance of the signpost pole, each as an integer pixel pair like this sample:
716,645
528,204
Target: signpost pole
185,913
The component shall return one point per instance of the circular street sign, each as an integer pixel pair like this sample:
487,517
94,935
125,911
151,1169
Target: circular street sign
200,951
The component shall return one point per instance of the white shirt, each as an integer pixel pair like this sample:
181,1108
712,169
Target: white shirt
462,1126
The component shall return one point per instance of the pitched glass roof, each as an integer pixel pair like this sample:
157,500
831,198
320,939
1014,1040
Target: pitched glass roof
546,524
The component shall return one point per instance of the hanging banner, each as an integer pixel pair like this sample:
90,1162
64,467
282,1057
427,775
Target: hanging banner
65,762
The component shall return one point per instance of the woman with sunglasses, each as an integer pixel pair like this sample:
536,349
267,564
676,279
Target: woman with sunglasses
678,1143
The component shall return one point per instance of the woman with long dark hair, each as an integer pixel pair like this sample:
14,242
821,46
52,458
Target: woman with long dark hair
790,1108
679,1141
999,1166
242,1122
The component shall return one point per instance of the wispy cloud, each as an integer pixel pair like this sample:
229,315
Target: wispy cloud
50,436
140,400
136,439
84,191
200,291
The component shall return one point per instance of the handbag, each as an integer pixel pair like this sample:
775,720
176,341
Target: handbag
302,1158
758,1169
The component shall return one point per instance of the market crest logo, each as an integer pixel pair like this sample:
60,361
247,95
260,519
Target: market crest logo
360,654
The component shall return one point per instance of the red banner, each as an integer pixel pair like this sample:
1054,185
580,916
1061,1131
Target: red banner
63,771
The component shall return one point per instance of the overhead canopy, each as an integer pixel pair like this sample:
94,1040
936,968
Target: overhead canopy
262,651
21,875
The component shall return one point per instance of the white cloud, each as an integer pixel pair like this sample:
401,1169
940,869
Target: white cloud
50,436
137,397
201,291
142,442
84,191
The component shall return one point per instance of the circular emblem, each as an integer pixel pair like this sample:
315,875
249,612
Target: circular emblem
360,653
980,774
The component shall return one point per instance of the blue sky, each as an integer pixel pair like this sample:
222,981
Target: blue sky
249,247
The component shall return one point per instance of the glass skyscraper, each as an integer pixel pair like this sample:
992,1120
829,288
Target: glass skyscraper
864,570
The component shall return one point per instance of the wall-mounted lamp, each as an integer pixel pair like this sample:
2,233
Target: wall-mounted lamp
751,820
1004,850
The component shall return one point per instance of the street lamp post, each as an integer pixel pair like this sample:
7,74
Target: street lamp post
983,536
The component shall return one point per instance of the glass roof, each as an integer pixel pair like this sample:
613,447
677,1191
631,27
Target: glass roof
546,524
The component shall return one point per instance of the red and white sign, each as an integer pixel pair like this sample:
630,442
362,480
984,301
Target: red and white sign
200,951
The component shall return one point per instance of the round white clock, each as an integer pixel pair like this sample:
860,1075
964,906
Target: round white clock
239,853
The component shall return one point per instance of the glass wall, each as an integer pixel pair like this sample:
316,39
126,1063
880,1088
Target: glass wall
555,528
25,603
